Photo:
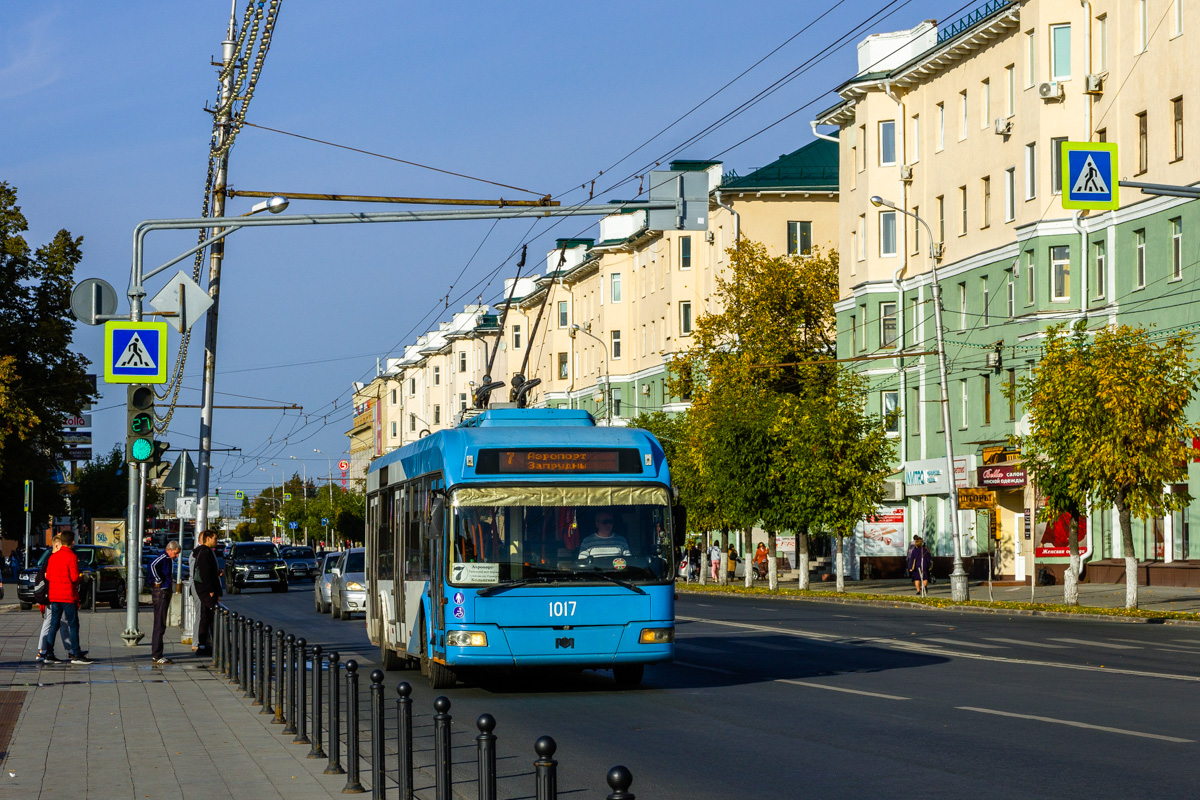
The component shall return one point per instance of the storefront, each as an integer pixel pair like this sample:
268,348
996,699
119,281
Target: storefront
1000,529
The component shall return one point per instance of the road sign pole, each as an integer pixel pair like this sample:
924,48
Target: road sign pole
28,518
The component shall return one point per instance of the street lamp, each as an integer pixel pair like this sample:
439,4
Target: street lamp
607,381
959,591
304,491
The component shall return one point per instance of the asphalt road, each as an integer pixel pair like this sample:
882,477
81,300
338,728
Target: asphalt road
786,699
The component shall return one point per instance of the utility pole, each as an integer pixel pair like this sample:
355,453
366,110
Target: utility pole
216,255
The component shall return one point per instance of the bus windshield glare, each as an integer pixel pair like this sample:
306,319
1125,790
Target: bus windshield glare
568,534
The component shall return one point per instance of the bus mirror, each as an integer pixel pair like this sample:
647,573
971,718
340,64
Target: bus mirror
437,518
679,523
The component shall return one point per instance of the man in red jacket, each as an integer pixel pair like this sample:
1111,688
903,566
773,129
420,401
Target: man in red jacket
62,575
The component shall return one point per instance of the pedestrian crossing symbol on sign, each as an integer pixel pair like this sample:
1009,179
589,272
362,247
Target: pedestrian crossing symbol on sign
1089,175
135,352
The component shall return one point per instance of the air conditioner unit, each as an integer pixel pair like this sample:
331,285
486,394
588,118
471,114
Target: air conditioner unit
1093,84
993,360
645,388
893,490
1004,126
1050,90
709,237
906,172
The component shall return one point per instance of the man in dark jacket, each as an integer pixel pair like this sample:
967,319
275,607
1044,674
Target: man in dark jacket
160,592
207,580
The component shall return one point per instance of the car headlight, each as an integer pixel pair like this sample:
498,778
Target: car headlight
466,639
240,568
354,586
657,636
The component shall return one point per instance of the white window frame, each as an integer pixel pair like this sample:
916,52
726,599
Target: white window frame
614,287
887,224
1143,23
1139,241
685,243
985,103
862,237
1030,59
962,396
985,201
887,125
962,307
1060,274
1010,90
614,345
1100,249
1030,279
915,139
1178,21
685,316
564,367
1055,31
437,414
1176,249
1102,41
516,337
1031,171
564,314
884,316
394,429
889,401
462,401
941,127
1056,144
963,221
462,360
1010,194
1011,291
862,343
962,122
986,319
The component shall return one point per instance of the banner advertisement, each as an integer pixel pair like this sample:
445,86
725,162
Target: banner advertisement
884,534
1051,538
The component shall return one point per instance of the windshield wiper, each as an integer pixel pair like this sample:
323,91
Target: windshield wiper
596,571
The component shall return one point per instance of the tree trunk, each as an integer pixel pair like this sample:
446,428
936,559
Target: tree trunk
747,549
1071,576
802,556
772,562
704,558
1131,564
839,567
725,542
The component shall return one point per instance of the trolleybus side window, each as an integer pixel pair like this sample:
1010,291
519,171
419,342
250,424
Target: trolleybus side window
385,543
416,546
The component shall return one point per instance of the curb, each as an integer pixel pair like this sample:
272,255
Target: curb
900,603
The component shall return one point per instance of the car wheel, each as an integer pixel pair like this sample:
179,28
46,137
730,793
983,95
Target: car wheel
337,610
118,600
26,606
233,589
389,659
325,607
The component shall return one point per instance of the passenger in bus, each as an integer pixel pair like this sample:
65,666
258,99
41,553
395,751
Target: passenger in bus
604,543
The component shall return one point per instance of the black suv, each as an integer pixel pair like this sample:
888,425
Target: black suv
103,577
254,564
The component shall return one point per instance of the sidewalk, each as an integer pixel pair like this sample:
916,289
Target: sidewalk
1094,595
124,728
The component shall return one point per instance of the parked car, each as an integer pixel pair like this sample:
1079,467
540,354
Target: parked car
348,589
301,562
255,564
105,580
324,581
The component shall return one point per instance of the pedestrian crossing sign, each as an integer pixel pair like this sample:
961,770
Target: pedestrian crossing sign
135,352
1089,176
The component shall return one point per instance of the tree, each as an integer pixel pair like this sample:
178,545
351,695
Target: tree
100,487
41,380
1110,414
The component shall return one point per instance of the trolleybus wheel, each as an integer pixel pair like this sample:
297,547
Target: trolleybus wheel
390,659
440,676
628,674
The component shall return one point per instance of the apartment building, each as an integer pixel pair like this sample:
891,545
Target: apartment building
961,125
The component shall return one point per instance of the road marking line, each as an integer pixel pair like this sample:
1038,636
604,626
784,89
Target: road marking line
1031,644
962,643
1094,643
767,646
706,669
841,689
1074,724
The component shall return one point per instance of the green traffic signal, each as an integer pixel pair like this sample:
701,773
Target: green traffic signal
139,424
141,449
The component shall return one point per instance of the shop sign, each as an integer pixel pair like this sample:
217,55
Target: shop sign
974,499
1002,476
928,476
1051,539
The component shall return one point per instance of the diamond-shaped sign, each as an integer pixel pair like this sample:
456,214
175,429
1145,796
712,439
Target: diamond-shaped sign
183,298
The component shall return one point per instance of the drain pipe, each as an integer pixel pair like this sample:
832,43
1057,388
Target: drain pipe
813,124
737,221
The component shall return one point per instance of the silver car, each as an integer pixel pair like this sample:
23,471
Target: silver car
324,580
348,590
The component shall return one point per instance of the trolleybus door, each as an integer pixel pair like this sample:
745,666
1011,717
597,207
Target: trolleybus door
437,574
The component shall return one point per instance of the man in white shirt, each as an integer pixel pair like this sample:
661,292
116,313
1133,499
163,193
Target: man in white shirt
604,543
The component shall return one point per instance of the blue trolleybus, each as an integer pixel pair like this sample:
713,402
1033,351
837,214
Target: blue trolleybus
522,537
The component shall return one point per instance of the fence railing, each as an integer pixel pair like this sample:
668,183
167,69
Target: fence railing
272,669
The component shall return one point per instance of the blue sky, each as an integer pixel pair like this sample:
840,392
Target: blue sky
105,127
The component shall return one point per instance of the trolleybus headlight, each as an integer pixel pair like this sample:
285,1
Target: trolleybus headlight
466,639
657,636
354,586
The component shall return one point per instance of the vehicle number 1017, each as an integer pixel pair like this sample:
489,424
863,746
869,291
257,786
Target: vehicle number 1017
562,608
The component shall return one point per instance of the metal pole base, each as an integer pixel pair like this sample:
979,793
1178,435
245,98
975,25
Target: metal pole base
959,591
132,637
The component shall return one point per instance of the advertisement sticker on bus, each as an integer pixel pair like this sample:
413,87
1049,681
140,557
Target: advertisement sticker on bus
471,572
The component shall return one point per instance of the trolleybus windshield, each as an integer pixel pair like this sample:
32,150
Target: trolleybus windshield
559,533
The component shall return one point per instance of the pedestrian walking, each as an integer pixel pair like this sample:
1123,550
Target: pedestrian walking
62,579
160,593
919,563
714,555
207,579
761,557
693,556
731,566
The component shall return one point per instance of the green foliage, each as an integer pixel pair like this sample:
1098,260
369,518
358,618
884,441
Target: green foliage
101,487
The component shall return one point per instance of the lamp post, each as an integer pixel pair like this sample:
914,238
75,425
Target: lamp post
271,478
959,591
607,381
282,492
330,463
304,491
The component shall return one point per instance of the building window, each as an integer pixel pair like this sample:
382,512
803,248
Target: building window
962,403
962,117
985,103
1011,380
393,397
799,238
1010,90
1010,290
862,342
941,126
862,237
887,233
516,337
563,369
1030,286
912,414
1056,164
887,325
1176,248
563,317
986,186
916,234
1139,241
462,361
394,430
1102,41
412,422
615,337
986,293
685,252
1101,250
685,318
1060,273
962,308
614,287
916,138
889,405
941,217
615,394
1143,151
1177,118
987,399
887,143
962,222
1060,52
1031,170
437,415
1010,194
862,140
853,332
1143,21
1178,18
437,376
462,401
1030,58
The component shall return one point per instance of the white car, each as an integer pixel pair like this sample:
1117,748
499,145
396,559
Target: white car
324,580
348,589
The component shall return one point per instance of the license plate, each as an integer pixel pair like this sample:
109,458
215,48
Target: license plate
261,575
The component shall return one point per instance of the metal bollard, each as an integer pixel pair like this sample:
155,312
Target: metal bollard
353,786
441,748
317,751
289,685
334,767
225,643
218,616
264,670
545,769
619,780
247,683
378,764
404,740
486,745
256,664
280,663
231,640
301,691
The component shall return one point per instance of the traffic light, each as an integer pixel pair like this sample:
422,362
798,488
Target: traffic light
139,427
157,453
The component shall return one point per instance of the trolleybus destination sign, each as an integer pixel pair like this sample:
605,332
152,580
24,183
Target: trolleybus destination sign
559,461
